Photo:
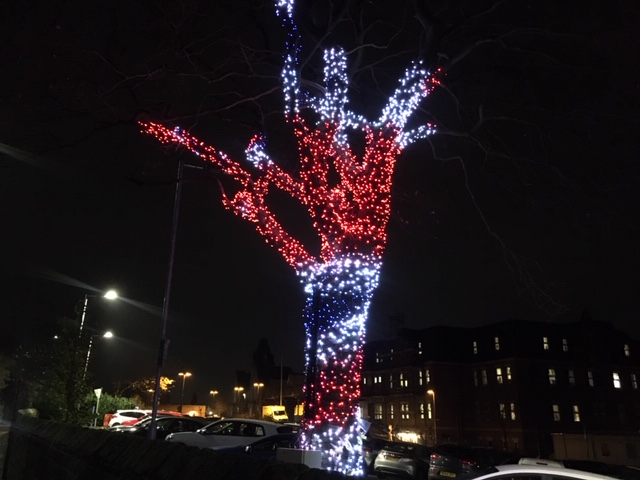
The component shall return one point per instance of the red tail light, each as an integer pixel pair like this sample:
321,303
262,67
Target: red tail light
435,456
469,463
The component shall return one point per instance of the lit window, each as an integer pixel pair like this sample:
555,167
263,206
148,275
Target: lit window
364,380
420,377
496,343
419,348
552,376
422,411
404,411
475,347
378,411
565,345
590,378
429,411
484,377
475,378
503,411
390,381
499,375
627,350
404,382
572,377
428,376
545,343
556,412
513,411
378,359
391,411
634,381
616,380
508,373
576,413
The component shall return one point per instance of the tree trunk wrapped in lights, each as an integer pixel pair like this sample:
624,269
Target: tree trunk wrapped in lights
350,217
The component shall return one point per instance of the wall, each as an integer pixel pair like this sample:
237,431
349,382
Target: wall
42,449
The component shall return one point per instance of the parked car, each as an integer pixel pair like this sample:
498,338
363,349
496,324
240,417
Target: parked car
134,421
370,449
229,432
165,425
535,472
403,458
455,461
113,419
266,447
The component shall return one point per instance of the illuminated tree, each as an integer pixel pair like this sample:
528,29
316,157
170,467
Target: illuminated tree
348,198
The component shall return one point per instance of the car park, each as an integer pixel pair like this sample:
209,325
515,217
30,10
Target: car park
229,432
134,421
265,448
403,459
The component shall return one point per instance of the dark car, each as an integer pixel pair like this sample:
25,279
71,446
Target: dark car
403,459
265,448
455,461
164,426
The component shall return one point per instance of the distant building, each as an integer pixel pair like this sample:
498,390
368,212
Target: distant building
510,385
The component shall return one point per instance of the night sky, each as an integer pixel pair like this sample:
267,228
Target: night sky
524,205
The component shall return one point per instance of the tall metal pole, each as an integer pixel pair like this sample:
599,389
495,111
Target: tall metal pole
164,341
84,313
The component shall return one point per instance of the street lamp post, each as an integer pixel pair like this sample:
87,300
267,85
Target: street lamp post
184,376
435,429
213,394
258,401
110,295
237,391
86,363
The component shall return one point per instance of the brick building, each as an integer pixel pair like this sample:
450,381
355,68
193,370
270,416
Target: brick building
508,385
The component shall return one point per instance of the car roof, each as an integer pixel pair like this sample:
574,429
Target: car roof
546,470
251,420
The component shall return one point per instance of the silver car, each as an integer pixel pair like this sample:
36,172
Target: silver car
229,432
403,458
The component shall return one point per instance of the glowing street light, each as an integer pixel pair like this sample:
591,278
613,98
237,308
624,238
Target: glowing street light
110,295
435,430
86,363
258,400
184,376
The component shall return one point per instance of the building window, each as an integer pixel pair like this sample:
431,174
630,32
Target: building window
590,378
552,376
503,411
545,343
508,373
565,345
364,380
484,377
377,411
390,381
377,379
496,343
616,380
513,411
420,378
404,382
627,350
475,378
634,381
499,375
556,412
576,413
419,348
429,411
404,411
422,411
378,359
391,411
427,374
572,377
475,347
